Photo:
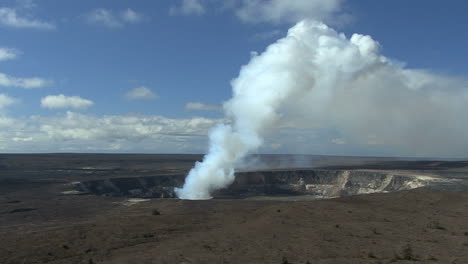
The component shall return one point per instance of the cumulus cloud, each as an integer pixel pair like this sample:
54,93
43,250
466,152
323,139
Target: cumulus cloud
28,83
6,101
113,19
141,93
202,106
8,53
114,133
9,17
188,7
62,101
85,127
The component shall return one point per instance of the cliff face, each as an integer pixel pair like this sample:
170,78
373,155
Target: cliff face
144,187
317,183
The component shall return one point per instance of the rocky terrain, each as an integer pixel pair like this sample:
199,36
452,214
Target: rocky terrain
314,183
41,221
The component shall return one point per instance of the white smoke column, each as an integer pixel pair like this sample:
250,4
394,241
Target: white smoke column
311,56
343,84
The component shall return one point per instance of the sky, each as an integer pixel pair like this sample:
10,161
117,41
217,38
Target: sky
151,76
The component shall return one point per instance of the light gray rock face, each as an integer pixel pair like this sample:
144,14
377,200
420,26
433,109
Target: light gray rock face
319,183
316,183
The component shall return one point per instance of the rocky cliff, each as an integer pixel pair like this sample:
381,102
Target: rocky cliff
317,183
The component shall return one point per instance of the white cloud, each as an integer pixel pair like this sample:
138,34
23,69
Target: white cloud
79,126
62,101
131,16
20,139
202,106
111,19
188,7
28,83
143,93
87,133
6,101
8,54
270,11
291,11
338,141
9,17
104,17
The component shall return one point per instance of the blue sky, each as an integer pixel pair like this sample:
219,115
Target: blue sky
151,60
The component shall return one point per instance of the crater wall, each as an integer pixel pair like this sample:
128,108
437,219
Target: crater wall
313,182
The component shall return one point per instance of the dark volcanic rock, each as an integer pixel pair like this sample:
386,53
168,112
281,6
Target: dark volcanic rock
418,226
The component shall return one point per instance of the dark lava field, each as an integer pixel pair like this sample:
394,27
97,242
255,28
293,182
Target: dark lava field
120,208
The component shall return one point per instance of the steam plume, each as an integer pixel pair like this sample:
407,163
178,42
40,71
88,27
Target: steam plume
316,68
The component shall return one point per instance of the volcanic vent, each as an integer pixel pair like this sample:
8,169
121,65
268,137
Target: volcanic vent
315,183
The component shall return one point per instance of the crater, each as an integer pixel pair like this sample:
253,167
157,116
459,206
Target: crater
313,183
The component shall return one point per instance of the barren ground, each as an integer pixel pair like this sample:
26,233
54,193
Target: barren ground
38,224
